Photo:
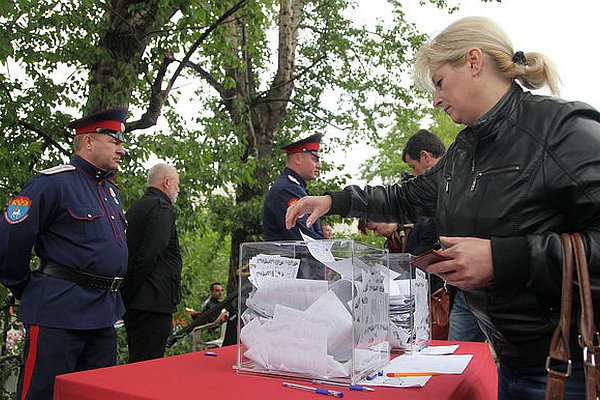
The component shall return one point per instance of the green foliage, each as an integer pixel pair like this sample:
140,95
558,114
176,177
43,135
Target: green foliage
205,260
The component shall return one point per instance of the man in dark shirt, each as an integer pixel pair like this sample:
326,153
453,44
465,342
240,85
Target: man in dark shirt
152,287
216,292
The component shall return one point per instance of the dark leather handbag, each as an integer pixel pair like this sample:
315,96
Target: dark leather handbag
588,335
440,314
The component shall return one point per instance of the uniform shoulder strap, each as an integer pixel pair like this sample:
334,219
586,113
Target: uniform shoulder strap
58,169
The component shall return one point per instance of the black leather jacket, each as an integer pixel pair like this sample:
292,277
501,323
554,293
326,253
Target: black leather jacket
522,174
153,281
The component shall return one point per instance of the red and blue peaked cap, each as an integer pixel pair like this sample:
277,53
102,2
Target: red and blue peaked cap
110,122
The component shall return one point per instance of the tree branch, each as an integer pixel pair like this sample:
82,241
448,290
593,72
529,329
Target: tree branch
301,106
204,74
46,137
158,98
295,77
202,37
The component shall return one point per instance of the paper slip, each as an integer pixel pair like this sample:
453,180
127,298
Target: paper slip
306,238
404,382
451,364
320,250
438,350
448,364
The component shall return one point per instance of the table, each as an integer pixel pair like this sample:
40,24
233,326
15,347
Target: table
196,376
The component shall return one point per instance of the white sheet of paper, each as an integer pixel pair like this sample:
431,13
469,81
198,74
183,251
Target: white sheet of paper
321,250
294,293
450,364
344,267
438,350
339,320
404,382
306,238
401,286
264,267
292,341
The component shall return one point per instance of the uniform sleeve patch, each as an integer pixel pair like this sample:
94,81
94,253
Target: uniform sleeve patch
292,201
58,169
17,210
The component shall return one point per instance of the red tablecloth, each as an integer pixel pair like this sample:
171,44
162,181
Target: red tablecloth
196,376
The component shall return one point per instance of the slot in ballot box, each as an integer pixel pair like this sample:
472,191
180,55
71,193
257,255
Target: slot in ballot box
313,309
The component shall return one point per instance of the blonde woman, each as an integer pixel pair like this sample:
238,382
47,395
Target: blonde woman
525,169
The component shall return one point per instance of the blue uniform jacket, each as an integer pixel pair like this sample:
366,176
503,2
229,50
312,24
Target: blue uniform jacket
288,188
73,216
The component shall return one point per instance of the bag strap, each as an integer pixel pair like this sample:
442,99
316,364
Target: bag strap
559,346
587,328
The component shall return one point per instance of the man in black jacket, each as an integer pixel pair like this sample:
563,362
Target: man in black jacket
152,286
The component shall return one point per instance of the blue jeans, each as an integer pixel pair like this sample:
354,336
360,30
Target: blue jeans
463,324
530,383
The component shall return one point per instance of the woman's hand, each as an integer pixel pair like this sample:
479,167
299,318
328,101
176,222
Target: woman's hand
313,205
471,265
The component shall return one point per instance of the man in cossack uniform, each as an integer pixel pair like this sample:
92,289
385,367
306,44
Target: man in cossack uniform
72,216
302,165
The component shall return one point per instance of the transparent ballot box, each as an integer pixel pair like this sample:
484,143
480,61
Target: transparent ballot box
314,309
410,322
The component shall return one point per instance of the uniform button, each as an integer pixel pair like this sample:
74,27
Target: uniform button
112,216
89,215
105,199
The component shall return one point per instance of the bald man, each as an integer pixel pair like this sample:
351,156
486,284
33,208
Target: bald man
152,286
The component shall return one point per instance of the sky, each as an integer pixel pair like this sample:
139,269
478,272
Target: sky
567,31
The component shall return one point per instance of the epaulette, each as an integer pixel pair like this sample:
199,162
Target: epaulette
293,179
58,169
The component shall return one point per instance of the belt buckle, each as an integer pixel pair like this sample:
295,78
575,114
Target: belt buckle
115,284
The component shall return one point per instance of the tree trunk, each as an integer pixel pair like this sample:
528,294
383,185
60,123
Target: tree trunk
266,116
129,24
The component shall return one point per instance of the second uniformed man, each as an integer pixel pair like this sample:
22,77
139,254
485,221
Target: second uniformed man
302,165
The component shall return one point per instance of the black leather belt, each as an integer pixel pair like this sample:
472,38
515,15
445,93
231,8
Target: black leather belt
81,278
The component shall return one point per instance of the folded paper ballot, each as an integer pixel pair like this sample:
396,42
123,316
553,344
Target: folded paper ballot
311,341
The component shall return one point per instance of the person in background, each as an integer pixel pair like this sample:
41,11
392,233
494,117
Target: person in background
327,231
72,216
152,287
302,165
422,151
523,171
216,293
394,234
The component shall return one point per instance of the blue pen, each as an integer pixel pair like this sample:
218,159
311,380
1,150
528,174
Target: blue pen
326,392
349,386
